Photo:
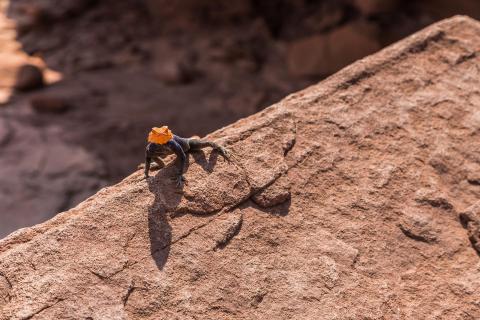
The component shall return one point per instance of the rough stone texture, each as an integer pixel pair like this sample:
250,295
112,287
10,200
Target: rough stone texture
419,226
470,219
383,143
273,195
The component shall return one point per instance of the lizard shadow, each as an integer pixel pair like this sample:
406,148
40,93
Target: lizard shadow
279,208
201,159
167,197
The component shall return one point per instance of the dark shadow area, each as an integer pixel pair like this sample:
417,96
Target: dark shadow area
199,157
472,231
167,195
281,209
160,234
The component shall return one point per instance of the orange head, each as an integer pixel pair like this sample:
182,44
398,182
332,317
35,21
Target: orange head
160,135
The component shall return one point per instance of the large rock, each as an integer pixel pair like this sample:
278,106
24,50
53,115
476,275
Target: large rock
370,7
354,219
324,54
29,77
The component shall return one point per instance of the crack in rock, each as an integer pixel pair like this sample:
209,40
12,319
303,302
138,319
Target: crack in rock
5,288
470,220
433,198
419,227
229,234
130,290
276,193
31,315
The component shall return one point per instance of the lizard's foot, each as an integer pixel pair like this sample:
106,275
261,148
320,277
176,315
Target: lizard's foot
229,156
180,181
224,152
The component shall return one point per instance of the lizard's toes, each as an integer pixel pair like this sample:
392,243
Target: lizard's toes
180,181
224,152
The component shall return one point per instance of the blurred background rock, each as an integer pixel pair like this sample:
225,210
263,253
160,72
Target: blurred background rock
83,81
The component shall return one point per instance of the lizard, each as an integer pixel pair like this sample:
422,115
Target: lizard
162,142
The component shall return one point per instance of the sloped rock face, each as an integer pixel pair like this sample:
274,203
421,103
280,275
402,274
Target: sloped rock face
213,62
351,199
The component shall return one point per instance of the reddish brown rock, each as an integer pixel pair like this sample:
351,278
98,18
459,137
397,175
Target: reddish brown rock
446,8
369,7
31,14
172,66
470,219
356,151
473,174
324,54
29,77
419,226
48,104
433,197
273,195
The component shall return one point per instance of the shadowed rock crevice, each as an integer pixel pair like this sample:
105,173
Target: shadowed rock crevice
418,235
470,220
5,289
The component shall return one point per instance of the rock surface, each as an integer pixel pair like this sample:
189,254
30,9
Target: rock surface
18,71
470,219
194,65
385,143
29,77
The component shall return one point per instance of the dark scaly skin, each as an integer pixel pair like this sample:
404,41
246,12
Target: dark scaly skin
180,146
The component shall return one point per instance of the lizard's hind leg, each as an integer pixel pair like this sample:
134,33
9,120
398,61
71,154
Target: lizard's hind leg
159,162
197,144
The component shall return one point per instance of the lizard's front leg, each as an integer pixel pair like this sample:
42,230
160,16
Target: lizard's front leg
181,170
148,161
177,149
